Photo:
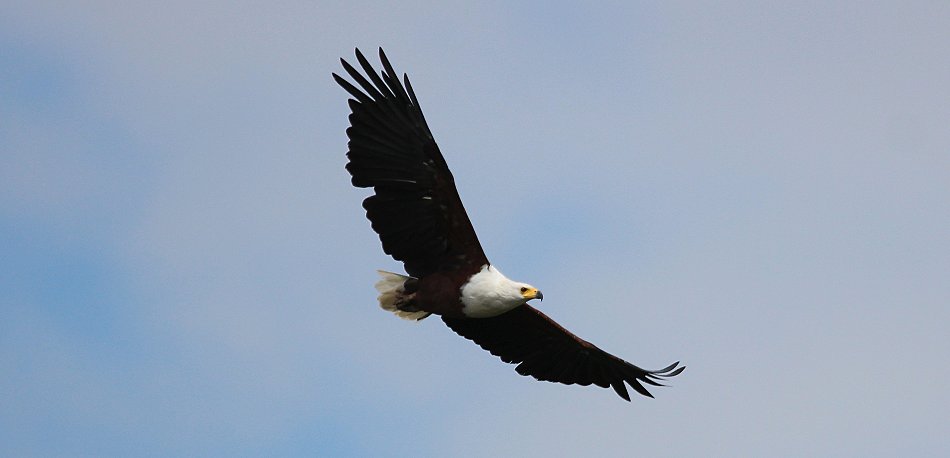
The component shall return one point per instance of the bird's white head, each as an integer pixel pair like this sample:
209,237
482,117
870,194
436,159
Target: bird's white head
489,293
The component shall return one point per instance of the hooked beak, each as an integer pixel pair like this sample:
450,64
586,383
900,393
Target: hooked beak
528,293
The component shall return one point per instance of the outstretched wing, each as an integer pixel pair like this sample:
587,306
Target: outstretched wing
416,208
546,351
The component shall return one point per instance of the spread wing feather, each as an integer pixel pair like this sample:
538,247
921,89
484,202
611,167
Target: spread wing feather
546,351
415,208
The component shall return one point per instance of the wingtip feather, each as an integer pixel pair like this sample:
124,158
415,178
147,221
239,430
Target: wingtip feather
621,389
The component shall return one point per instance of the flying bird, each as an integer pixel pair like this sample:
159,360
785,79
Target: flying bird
416,210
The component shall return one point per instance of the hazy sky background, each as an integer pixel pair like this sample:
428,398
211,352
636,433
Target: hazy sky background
759,191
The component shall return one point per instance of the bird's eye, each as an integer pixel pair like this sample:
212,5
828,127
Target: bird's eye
524,290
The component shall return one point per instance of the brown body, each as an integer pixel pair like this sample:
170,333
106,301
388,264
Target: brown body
437,294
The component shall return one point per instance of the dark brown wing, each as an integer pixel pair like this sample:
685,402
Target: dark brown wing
546,351
416,209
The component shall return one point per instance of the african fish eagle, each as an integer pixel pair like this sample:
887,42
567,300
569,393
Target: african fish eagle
417,212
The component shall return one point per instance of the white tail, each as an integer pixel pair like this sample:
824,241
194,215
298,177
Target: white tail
391,290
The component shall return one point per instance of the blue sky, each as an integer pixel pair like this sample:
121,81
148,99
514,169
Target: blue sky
759,191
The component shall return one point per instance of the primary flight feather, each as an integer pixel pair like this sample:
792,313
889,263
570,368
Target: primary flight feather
416,210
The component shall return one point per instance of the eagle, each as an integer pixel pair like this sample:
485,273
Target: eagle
416,210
